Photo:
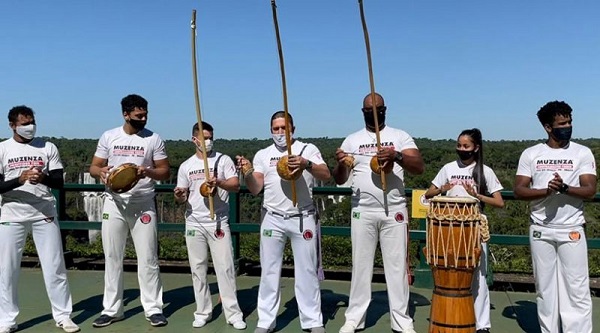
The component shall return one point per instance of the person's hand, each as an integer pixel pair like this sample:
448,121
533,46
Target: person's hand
471,190
212,182
34,175
296,163
243,165
180,194
141,171
446,187
104,172
554,184
386,156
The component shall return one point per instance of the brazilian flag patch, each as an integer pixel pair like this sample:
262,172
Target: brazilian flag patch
537,234
267,233
355,215
105,216
190,233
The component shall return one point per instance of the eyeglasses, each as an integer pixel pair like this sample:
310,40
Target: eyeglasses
380,109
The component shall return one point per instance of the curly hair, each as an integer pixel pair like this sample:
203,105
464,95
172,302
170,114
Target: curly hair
13,114
547,112
130,102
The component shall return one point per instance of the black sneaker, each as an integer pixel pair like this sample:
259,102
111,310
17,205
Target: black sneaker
483,330
105,320
157,320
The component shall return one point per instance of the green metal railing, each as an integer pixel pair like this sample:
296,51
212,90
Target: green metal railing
237,227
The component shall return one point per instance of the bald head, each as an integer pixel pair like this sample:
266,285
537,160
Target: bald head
368,101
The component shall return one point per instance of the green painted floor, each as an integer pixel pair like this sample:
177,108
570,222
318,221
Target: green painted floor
511,313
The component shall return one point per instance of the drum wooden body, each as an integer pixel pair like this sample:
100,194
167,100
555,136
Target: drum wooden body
453,249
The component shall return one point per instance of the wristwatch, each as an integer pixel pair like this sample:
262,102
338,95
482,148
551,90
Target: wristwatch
564,188
308,165
398,157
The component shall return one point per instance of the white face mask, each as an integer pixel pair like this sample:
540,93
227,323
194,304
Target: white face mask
279,140
27,132
208,143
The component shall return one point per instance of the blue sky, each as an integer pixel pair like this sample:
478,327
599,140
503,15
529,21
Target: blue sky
442,66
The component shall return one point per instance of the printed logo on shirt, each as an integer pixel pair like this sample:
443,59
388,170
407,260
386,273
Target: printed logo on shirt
355,215
307,234
124,150
554,165
20,162
199,174
574,235
399,217
219,234
145,218
105,216
190,233
537,234
371,148
273,161
267,233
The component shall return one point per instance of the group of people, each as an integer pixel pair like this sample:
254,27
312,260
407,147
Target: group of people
556,176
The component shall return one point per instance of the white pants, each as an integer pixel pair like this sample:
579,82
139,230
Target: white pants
560,267
481,293
198,238
275,230
46,235
391,231
117,221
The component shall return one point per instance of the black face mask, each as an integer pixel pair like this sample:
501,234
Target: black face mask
562,133
370,119
465,154
137,124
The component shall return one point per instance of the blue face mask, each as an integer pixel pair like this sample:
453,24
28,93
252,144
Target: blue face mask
562,133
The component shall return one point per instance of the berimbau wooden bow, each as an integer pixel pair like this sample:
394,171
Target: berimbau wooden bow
288,136
372,82
211,202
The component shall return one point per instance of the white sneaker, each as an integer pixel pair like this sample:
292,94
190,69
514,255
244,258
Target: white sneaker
238,325
409,330
348,328
68,326
199,323
263,330
8,329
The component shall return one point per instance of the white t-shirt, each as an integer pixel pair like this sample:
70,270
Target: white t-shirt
191,175
142,148
28,202
461,177
539,163
278,192
367,194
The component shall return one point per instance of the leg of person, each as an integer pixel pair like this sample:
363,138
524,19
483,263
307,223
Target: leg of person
573,282
364,230
481,292
48,243
272,242
114,237
12,242
393,238
142,220
222,253
544,260
195,240
307,287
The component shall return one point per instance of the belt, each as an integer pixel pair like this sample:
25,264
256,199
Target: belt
289,216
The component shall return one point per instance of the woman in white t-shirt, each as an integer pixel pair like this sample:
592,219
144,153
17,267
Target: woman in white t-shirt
468,176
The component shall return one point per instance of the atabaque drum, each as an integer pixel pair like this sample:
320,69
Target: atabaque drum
123,178
452,250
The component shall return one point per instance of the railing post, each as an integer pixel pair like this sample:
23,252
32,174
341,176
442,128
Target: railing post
423,277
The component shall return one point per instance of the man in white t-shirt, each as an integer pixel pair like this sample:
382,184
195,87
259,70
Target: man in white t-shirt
282,220
378,216
203,231
29,168
556,177
132,211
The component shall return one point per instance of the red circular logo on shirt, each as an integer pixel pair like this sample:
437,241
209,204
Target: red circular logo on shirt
399,217
308,234
145,218
219,234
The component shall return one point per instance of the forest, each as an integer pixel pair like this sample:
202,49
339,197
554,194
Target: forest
501,156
